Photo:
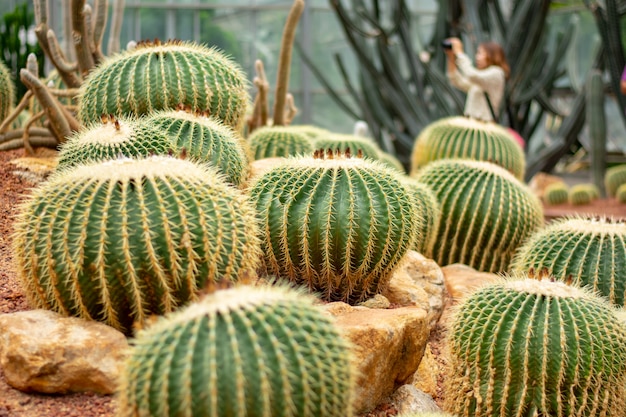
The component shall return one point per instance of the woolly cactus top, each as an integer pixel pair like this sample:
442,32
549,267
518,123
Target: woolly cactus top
604,226
546,288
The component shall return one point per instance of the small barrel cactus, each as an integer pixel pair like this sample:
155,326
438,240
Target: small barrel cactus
486,213
589,252
123,239
591,189
354,143
111,139
205,139
282,141
527,347
579,196
620,195
613,178
556,193
335,223
7,91
160,76
427,208
465,138
245,351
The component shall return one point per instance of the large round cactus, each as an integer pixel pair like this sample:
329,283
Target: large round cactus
205,139
123,239
7,91
428,209
536,348
246,351
338,224
465,138
113,139
486,213
279,141
590,252
156,76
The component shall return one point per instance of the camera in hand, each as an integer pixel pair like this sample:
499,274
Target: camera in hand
446,44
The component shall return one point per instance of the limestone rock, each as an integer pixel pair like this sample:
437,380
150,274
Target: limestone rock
425,379
408,400
42,351
377,301
462,280
387,347
418,281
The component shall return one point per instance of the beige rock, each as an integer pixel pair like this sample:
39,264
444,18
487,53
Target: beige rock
425,379
387,347
462,280
540,181
418,281
377,301
409,400
42,351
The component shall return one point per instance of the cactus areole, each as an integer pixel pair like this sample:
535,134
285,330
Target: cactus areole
335,223
123,239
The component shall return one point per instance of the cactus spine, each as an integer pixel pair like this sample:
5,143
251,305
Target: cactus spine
353,142
613,178
486,213
428,208
205,139
113,139
585,251
556,193
338,224
164,76
7,91
536,348
121,240
283,141
246,351
464,138
578,195
596,119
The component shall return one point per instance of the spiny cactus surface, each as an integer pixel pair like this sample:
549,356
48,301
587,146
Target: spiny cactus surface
613,178
536,348
114,138
246,351
486,213
159,76
279,141
580,195
7,91
337,224
587,252
428,208
205,139
556,193
354,143
465,138
620,194
121,240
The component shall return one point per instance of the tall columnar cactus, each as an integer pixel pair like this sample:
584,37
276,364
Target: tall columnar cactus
123,239
596,119
7,91
283,141
536,348
556,193
156,76
245,351
465,138
589,252
205,139
428,208
353,142
486,213
113,139
335,223
613,178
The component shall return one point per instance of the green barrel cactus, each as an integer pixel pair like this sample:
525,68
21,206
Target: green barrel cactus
311,131
343,142
465,138
281,141
7,91
613,178
588,252
620,195
123,239
592,189
486,213
555,194
113,139
579,196
391,161
160,76
244,351
527,347
428,209
338,224
205,139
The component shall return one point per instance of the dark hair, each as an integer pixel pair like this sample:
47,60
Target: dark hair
496,56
